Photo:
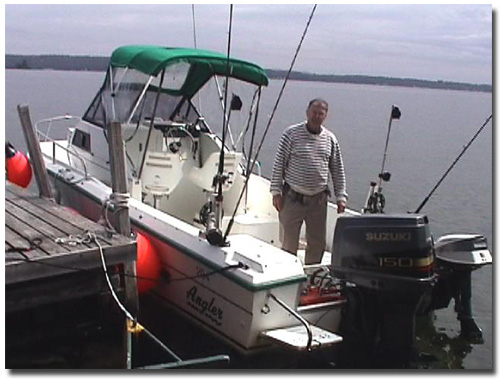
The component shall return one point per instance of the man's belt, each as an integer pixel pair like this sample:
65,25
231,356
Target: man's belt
299,197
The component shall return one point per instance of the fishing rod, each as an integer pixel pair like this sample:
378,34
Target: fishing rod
453,164
194,26
245,185
213,232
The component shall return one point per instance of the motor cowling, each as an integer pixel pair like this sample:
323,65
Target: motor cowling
463,250
389,252
387,264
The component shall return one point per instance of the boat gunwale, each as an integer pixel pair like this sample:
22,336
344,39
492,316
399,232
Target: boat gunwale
182,248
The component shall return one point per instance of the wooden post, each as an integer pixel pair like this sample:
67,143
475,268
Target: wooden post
36,158
119,185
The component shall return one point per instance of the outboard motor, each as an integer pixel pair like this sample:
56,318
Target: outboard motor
457,255
387,264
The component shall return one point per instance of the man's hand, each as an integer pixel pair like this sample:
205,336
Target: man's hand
341,206
278,202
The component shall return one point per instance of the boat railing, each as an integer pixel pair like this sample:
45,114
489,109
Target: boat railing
258,168
49,130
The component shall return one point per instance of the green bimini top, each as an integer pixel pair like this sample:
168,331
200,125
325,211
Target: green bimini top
151,60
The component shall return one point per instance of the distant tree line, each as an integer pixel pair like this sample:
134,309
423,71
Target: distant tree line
91,63
381,81
55,62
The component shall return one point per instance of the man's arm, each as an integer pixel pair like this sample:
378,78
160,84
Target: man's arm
279,165
338,177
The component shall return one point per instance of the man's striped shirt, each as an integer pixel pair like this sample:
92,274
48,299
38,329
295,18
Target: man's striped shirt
304,160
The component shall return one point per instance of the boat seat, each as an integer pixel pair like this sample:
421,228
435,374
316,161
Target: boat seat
162,173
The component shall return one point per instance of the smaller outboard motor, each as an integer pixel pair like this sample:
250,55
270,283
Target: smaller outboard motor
470,250
457,255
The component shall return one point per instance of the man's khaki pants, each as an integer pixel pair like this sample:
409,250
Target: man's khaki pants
312,210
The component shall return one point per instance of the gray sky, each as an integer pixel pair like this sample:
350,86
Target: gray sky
436,42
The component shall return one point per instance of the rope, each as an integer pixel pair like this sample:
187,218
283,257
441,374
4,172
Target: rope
270,120
118,201
73,240
91,237
133,325
125,311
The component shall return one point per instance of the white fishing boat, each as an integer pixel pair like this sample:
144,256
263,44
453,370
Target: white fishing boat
185,191
195,193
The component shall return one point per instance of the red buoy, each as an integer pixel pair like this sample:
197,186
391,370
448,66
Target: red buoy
148,264
18,167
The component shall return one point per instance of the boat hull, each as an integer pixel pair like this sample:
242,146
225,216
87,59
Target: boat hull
198,280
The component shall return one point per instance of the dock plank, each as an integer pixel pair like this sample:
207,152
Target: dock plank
12,255
63,212
29,218
16,246
56,218
23,234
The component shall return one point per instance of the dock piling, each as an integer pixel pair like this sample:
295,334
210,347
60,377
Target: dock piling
36,158
120,195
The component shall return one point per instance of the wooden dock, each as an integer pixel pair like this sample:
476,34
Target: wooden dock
44,240
52,259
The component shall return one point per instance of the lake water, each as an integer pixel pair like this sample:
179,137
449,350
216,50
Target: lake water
434,127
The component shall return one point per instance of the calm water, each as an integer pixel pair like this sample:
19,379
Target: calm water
434,127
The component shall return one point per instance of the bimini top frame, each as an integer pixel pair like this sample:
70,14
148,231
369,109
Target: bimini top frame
135,73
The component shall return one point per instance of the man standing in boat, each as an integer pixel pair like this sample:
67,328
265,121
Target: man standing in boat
307,154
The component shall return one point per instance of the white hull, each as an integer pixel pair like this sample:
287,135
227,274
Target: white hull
233,304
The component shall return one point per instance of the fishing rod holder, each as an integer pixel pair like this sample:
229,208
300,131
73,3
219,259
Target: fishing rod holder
211,215
375,201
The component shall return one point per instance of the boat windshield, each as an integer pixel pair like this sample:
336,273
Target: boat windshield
144,82
129,95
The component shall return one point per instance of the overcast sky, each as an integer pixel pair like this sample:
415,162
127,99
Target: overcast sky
435,42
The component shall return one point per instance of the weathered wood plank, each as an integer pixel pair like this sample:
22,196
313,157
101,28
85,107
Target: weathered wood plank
10,255
64,263
26,234
66,215
56,225
28,218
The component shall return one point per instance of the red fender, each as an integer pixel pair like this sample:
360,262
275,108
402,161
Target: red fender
148,264
18,167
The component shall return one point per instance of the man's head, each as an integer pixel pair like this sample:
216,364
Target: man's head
317,112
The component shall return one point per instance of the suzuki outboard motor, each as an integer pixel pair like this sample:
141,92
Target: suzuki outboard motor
387,264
